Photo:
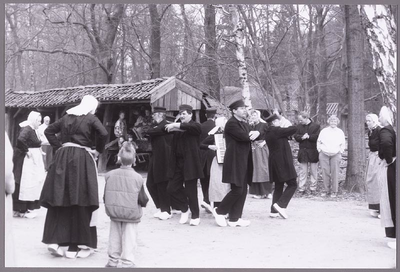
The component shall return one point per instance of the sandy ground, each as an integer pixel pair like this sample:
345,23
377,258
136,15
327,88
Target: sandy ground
319,233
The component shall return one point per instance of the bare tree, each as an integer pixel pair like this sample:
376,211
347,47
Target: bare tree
356,140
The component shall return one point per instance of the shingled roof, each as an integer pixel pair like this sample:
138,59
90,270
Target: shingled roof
138,91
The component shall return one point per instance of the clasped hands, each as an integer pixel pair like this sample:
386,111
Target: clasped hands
173,127
253,135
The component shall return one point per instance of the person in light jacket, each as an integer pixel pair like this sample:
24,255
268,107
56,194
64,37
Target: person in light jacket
330,145
124,197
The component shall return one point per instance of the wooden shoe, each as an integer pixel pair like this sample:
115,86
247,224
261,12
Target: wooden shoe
240,223
55,250
194,222
184,217
281,211
219,218
164,216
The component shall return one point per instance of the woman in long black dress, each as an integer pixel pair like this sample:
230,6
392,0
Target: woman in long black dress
28,169
70,192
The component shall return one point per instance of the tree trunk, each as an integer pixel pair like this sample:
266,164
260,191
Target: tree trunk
239,42
212,75
155,42
356,142
323,63
310,83
381,33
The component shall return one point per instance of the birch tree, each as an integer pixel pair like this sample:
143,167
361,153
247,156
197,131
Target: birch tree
381,34
238,33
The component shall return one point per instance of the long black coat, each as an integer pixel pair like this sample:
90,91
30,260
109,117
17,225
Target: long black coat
189,140
206,154
307,148
161,153
238,162
280,161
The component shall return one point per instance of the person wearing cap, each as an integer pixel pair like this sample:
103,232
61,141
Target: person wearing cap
46,147
280,163
185,167
238,167
207,156
307,135
28,168
70,192
157,177
387,153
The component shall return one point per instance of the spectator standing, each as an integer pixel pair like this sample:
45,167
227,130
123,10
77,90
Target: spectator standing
281,168
307,135
70,192
9,254
331,143
29,172
185,165
387,153
372,180
124,197
157,177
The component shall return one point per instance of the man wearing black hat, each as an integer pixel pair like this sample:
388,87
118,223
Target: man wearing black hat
207,156
238,166
185,165
157,179
280,163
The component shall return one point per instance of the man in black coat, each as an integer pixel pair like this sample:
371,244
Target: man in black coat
238,166
157,179
307,135
281,168
185,165
207,156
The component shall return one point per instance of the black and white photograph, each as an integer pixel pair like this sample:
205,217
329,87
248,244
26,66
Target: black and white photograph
200,135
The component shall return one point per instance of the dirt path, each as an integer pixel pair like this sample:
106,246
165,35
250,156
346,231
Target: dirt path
320,233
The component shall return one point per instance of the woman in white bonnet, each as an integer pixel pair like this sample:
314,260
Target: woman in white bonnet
70,191
28,168
372,181
387,153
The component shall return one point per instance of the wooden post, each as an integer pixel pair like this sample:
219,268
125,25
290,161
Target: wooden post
103,158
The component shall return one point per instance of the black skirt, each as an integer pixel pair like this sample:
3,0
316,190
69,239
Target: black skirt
69,226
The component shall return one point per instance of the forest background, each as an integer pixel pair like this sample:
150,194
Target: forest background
303,56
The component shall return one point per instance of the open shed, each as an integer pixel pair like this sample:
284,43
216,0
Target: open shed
169,92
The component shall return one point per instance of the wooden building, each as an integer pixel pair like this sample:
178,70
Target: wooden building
132,98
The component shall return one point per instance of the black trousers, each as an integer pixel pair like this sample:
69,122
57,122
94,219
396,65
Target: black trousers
183,193
281,197
233,202
391,179
205,184
158,192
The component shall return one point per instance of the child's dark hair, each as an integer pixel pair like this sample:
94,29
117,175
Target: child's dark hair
127,154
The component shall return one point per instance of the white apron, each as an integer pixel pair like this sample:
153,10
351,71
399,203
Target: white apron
385,211
33,176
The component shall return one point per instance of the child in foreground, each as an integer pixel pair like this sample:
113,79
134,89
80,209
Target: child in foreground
124,197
